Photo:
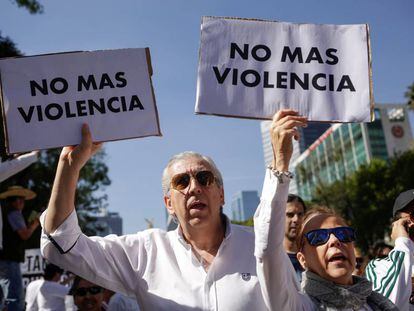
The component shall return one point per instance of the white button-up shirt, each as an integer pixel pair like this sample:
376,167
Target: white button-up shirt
160,269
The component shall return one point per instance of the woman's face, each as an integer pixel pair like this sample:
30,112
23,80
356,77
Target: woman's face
334,260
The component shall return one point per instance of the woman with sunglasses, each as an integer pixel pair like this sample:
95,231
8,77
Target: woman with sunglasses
326,244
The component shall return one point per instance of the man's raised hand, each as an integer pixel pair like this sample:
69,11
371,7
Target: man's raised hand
77,156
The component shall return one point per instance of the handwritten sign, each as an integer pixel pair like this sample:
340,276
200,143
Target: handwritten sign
252,68
46,98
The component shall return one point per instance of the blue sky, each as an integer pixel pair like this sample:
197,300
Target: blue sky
171,29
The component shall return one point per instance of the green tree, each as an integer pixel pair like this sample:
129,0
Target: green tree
369,194
33,6
248,222
409,94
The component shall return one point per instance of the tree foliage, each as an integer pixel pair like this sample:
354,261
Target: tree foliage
33,6
248,222
409,94
8,47
366,197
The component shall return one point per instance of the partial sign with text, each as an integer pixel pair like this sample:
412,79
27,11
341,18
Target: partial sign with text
46,98
253,68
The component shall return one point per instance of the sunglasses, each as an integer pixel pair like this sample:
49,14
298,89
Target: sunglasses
181,181
321,236
82,291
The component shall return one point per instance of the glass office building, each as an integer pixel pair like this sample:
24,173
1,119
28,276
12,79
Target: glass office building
244,204
344,147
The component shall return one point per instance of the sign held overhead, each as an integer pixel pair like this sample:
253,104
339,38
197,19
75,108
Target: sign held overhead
253,68
46,98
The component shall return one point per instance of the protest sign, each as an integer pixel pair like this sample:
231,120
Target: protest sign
253,68
33,266
46,98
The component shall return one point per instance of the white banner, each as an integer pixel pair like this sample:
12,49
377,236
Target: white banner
252,68
46,98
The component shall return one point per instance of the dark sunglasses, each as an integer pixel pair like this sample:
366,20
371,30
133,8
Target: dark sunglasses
321,236
82,291
181,181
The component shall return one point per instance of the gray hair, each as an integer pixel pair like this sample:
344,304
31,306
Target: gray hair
166,177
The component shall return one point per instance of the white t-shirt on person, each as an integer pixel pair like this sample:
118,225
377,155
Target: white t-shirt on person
45,295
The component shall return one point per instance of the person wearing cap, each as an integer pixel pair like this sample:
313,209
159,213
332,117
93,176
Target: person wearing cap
15,232
391,276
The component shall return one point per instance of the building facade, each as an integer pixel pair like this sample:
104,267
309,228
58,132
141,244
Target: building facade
343,148
307,137
244,204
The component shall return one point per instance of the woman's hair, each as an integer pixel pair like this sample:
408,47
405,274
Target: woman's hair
317,210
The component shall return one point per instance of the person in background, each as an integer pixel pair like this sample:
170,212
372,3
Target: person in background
381,250
392,275
361,262
7,169
295,210
15,232
118,302
11,167
86,295
47,293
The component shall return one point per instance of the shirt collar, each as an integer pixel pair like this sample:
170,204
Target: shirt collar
180,236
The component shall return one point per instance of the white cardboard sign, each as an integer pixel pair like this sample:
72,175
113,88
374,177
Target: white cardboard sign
47,98
253,68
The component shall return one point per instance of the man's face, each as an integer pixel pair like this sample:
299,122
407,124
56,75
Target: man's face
294,219
18,203
196,205
334,260
88,302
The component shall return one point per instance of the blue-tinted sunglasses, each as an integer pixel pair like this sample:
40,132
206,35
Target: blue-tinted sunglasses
321,236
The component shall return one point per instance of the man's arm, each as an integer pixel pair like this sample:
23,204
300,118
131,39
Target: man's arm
391,276
16,221
71,161
11,167
27,232
113,262
276,274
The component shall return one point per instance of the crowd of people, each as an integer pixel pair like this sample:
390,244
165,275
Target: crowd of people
295,257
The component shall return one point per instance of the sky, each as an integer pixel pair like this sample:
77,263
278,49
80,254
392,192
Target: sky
171,29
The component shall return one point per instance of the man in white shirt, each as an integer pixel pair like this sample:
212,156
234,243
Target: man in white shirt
207,263
47,293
